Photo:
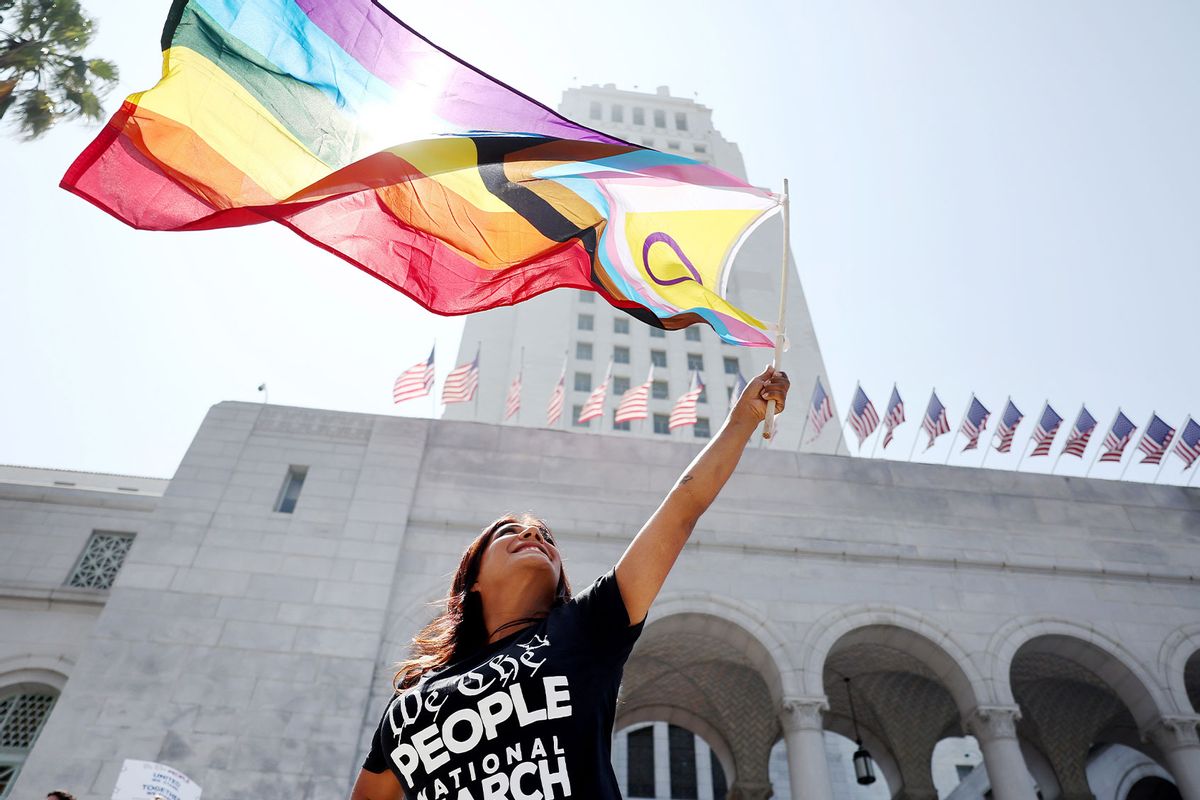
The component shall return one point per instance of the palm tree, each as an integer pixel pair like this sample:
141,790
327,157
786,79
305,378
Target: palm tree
43,76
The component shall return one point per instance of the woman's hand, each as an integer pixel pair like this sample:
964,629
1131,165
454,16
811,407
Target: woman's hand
752,405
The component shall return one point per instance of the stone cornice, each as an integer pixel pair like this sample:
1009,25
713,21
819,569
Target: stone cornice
13,593
871,553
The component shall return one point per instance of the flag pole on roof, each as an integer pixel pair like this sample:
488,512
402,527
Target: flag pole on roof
1166,447
912,451
957,431
1099,450
997,432
769,421
520,380
1045,405
1179,432
1133,452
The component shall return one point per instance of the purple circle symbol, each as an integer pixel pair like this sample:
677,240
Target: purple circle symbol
653,239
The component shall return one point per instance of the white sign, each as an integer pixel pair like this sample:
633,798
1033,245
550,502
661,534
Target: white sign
145,780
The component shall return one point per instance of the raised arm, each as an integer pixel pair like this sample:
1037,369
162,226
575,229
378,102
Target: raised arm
650,556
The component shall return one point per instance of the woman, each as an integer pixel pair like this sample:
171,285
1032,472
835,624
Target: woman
511,692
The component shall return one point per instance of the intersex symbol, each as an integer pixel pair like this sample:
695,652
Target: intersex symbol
653,239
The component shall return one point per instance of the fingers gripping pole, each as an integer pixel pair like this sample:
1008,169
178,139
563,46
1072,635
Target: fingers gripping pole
769,421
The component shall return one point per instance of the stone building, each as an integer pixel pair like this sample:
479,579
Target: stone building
249,632
588,333
1005,635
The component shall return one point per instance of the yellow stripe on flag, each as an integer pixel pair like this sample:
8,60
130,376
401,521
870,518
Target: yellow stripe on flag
202,97
453,162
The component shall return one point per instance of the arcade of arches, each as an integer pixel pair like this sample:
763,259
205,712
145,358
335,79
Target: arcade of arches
1043,704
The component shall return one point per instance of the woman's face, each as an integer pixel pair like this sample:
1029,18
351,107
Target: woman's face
520,552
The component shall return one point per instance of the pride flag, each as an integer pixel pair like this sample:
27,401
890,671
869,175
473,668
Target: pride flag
335,119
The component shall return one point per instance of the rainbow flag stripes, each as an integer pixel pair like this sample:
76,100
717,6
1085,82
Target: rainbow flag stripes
335,119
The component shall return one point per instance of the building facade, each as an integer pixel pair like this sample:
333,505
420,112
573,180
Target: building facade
262,595
575,335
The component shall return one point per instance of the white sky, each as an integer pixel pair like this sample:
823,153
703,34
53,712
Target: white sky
992,197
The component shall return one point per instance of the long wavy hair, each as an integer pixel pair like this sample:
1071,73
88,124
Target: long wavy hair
459,630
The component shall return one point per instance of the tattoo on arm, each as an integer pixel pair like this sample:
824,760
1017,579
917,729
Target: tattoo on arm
684,479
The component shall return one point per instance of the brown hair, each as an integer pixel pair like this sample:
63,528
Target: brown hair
61,795
459,630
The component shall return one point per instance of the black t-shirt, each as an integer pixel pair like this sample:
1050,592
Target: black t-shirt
528,717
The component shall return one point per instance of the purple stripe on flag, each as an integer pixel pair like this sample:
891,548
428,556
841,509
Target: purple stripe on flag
397,54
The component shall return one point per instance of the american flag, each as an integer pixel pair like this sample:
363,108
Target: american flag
974,424
739,386
1187,446
594,407
863,418
512,403
821,409
635,403
557,397
935,422
684,412
1045,431
1155,440
893,417
1118,437
414,382
461,383
1007,428
1077,441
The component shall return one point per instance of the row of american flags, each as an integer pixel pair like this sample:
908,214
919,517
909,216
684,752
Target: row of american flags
1157,435
462,383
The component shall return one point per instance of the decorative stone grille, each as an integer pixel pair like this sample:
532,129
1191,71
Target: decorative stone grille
21,718
101,560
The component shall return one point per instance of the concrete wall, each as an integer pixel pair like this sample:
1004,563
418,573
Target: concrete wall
46,519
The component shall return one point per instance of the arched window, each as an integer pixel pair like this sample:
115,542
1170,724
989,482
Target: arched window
23,712
692,770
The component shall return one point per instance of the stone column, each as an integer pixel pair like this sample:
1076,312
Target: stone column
996,729
804,735
1176,737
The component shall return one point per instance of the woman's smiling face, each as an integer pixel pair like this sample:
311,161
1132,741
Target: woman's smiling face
519,546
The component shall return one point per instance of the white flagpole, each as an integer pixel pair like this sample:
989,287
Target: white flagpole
1167,449
433,397
842,432
478,352
1178,439
954,441
520,386
1045,405
769,421
879,427
1133,453
648,420
992,439
562,377
922,426
807,412
1096,455
1082,406
607,390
